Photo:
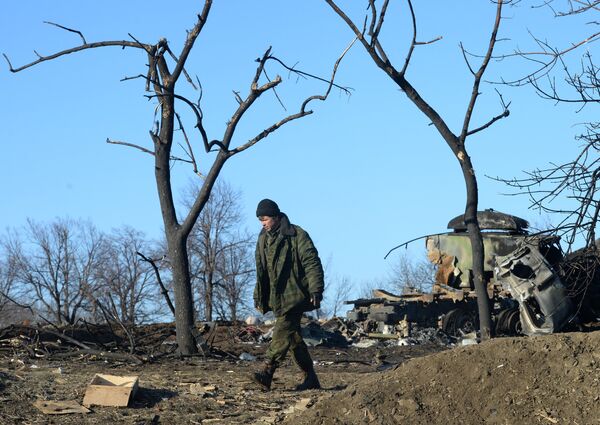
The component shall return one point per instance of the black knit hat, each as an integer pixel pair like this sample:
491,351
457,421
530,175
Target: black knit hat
268,208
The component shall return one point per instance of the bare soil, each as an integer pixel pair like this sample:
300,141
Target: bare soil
553,379
543,380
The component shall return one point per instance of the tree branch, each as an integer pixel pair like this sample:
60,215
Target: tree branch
504,114
86,46
302,111
163,289
131,145
148,151
68,29
199,125
189,150
479,74
189,43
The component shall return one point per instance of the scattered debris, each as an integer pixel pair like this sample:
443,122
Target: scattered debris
247,357
302,404
43,370
316,335
365,343
266,337
60,407
249,334
253,320
203,390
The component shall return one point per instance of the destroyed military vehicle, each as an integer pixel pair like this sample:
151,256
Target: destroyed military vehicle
523,276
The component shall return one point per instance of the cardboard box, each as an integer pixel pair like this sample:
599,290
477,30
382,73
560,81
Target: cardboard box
110,390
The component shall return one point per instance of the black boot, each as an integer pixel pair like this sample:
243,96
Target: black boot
311,381
265,376
304,362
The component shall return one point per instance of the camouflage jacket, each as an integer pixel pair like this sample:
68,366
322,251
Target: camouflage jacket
296,270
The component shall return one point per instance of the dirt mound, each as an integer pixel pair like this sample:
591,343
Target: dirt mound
553,379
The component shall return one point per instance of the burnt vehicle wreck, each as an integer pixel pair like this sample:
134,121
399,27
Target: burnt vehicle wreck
531,285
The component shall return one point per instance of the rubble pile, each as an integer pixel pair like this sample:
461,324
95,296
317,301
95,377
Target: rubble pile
144,344
215,340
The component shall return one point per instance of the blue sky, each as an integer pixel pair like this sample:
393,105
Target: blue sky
361,175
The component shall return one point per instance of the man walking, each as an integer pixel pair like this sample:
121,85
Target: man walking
289,281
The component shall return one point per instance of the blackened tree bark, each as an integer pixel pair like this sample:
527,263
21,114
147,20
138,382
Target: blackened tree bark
164,70
369,38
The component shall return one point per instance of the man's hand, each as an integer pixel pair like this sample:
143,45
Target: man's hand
315,300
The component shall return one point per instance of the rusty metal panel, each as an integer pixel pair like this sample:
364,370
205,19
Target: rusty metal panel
452,253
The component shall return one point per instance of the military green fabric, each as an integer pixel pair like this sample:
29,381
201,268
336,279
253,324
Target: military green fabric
288,270
287,336
272,241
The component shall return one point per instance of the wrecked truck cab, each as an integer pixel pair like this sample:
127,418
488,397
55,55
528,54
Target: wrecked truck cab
531,303
544,305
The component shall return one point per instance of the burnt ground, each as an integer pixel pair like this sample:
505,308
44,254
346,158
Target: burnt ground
553,379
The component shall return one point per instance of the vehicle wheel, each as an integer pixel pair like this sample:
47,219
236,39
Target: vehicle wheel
508,322
514,322
459,322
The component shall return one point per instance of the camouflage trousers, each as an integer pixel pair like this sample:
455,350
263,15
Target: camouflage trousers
287,337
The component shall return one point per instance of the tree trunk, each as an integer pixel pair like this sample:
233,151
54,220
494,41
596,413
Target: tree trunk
477,249
208,296
184,311
234,312
176,238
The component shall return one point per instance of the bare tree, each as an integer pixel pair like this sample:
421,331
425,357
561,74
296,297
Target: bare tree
127,283
369,37
569,189
164,69
368,286
15,304
337,292
7,280
545,57
409,274
14,307
58,263
215,244
236,278
574,182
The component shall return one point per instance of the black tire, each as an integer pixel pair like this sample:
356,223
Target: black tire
459,322
508,322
